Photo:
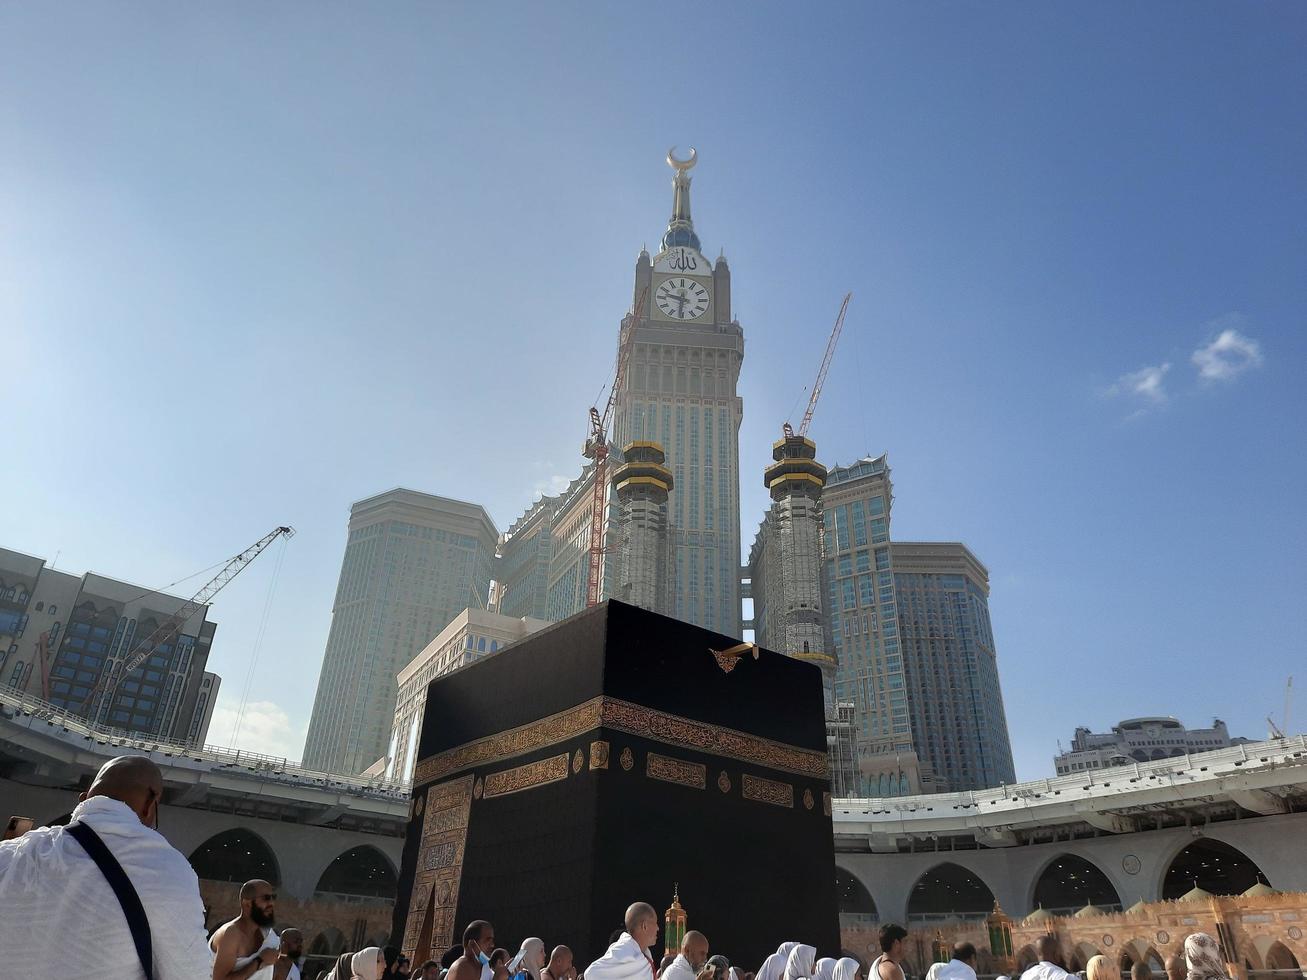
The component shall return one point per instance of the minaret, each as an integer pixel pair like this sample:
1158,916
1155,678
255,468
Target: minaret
795,482
641,485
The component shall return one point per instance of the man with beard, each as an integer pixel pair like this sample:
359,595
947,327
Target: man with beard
288,963
247,945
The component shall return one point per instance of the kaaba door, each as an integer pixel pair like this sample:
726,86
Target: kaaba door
423,952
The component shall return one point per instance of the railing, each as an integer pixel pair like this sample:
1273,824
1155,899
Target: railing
1273,752
25,709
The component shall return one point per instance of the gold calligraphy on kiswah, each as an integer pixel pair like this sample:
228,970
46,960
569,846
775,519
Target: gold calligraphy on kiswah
632,719
532,774
692,774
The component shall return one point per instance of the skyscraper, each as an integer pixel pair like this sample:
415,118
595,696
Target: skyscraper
413,561
678,412
863,614
954,698
681,393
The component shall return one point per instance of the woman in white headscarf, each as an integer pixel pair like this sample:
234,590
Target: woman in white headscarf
773,967
847,968
526,965
367,963
1202,954
825,969
800,964
785,949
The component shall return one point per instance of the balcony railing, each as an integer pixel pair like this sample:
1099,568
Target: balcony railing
26,709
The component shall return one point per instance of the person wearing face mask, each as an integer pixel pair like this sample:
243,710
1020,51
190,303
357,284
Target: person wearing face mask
478,944
291,959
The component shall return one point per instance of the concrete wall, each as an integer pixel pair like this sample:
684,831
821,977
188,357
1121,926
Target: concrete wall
303,853
1273,843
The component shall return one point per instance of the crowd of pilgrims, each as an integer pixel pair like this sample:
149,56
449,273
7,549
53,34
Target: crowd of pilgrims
108,895
628,958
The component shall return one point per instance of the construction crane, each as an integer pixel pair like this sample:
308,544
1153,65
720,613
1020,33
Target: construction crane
170,627
596,449
1281,730
821,372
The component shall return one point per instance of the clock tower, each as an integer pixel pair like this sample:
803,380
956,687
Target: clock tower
682,375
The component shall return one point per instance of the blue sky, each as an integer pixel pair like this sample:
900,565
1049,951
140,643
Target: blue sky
260,261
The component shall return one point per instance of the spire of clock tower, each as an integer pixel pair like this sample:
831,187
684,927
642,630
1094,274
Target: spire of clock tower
680,228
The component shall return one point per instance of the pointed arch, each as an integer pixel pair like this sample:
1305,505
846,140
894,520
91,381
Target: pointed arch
1212,865
1069,882
1085,952
329,942
236,855
360,871
947,891
1280,957
854,899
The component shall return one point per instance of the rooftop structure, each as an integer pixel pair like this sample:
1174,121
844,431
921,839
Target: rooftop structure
1140,740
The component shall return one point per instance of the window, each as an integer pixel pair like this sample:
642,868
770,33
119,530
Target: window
40,606
53,609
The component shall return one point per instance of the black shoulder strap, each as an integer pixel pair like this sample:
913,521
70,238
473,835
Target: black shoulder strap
122,887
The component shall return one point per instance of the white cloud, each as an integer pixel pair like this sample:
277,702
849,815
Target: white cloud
1229,355
552,485
264,728
1145,384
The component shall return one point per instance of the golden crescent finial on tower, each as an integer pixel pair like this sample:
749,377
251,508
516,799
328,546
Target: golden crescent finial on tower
682,165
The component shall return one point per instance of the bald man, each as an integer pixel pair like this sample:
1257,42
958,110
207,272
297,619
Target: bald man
559,966
692,962
628,958
1049,966
56,897
247,944
1176,967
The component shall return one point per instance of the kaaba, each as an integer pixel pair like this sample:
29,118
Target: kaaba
610,759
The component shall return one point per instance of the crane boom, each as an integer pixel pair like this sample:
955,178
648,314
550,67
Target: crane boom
825,366
171,626
596,448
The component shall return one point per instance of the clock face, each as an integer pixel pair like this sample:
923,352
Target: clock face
681,298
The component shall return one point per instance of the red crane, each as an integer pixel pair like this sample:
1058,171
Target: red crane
596,448
821,372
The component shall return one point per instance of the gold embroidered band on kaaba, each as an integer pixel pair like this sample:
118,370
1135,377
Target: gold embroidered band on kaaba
632,719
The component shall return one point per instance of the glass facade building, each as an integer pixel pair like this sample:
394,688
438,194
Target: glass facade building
413,561
61,633
862,609
954,698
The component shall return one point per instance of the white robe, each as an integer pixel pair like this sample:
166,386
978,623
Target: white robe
678,969
625,960
55,898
